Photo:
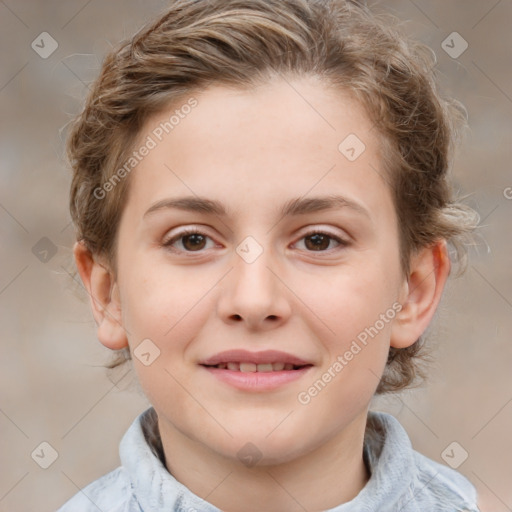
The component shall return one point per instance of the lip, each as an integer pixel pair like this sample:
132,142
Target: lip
256,381
265,356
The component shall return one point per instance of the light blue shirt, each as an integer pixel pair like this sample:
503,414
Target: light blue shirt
402,480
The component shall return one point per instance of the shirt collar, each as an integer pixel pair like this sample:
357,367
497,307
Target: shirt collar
387,450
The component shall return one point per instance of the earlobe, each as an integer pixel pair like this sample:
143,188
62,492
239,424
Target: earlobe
421,295
104,297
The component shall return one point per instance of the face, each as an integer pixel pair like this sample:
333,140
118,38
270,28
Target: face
256,236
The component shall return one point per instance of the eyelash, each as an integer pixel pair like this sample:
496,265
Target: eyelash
193,231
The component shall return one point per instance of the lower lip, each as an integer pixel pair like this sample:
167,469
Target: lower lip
257,381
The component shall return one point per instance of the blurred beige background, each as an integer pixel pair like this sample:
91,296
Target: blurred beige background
53,387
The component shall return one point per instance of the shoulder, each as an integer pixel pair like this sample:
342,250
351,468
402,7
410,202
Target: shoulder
446,484
404,479
110,493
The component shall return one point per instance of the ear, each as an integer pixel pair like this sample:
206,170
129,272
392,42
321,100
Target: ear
421,294
104,295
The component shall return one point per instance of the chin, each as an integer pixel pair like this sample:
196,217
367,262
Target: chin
262,446
263,453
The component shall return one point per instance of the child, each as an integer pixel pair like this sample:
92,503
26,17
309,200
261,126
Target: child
262,210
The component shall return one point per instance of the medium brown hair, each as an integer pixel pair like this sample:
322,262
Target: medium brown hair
242,43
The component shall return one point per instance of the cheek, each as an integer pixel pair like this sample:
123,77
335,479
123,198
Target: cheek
360,312
352,300
163,298
167,309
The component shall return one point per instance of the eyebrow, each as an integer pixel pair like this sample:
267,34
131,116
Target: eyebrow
297,206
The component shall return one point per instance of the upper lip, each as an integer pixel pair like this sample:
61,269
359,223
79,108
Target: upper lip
244,356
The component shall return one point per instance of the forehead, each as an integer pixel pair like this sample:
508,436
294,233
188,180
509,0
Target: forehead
282,139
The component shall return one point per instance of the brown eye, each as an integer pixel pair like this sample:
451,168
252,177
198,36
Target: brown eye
194,242
187,241
318,242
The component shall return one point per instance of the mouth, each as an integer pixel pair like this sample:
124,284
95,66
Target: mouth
256,371
246,367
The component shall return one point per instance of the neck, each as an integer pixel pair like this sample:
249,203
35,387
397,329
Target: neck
322,478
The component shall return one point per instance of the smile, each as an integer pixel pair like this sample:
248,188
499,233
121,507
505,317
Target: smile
256,378
252,367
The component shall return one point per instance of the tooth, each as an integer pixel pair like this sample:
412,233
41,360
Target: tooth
222,366
277,367
234,367
247,367
288,366
266,367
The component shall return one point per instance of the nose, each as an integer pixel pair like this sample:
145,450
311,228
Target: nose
254,295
